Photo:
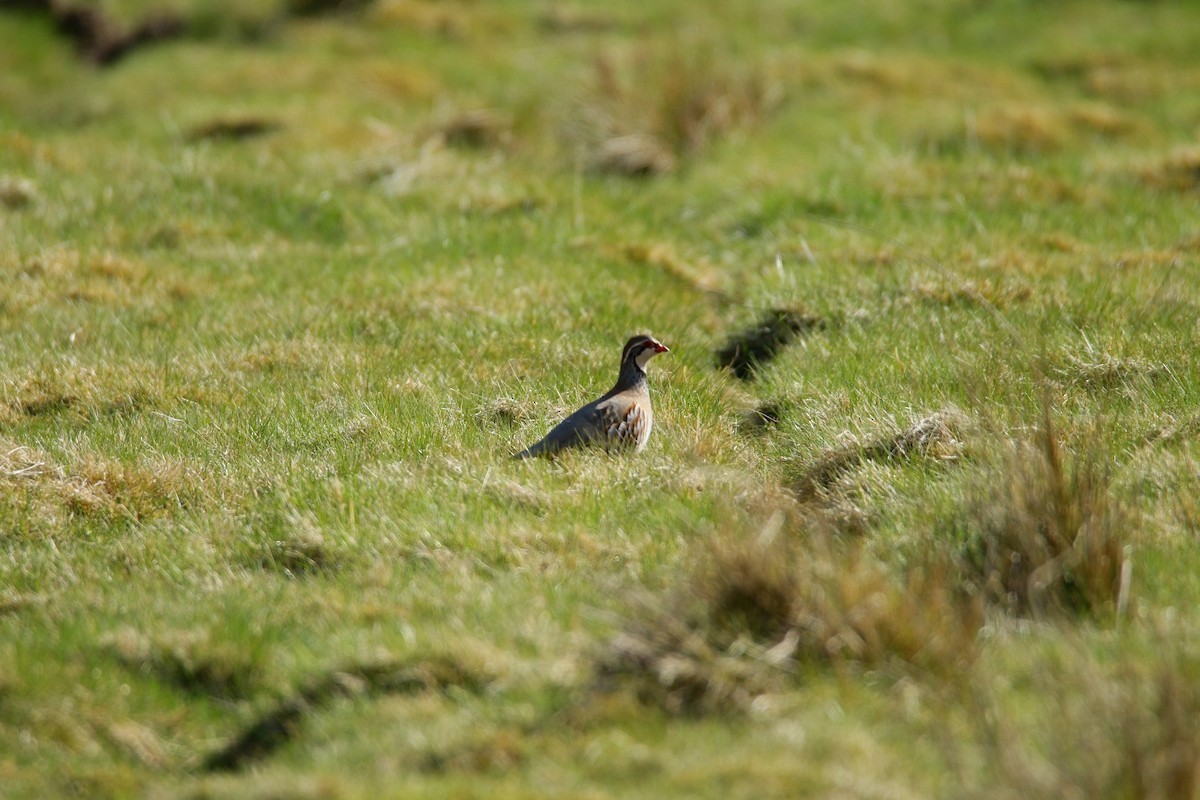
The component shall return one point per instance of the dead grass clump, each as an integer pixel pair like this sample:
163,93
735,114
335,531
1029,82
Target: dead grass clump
988,293
193,661
634,155
1100,119
82,391
16,193
477,129
937,436
283,723
57,276
1019,129
1125,731
1048,536
641,116
44,494
113,490
117,489
506,411
1104,371
497,751
1180,172
759,609
750,348
665,258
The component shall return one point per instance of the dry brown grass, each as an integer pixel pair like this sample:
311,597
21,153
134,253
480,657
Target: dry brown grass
1025,128
62,276
41,496
1048,536
1179,172
696,276
1098,370
986,293
642,114
759,609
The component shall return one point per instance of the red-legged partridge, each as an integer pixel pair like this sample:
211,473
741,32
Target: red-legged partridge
621,419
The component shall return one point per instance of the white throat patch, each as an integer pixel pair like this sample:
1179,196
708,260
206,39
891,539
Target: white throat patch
644,356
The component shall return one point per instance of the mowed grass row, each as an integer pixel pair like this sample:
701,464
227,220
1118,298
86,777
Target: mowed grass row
282,299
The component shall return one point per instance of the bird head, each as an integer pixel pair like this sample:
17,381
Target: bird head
640,349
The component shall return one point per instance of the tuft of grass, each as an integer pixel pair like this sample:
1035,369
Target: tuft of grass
1049,536
16,192
1179,172
642,115
476,129
936,436
40,495
633,155
760,609
1123,731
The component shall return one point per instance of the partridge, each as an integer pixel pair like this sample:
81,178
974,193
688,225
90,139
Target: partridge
619,420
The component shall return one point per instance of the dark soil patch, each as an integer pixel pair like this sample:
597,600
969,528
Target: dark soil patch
282,723
761,417
750,348
234,128
97,37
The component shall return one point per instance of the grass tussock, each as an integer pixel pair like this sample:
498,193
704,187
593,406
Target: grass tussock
16,193
66,277
1049,536
1033,130
640,117
477,129
987,293
1104,371
40,494
747,350
938,436
1127,731
760,609
1179,172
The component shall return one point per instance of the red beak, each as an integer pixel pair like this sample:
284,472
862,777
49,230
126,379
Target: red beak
659,347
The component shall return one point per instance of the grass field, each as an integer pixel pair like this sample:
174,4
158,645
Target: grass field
280,296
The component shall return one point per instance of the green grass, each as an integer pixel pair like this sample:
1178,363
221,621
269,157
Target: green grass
258,394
